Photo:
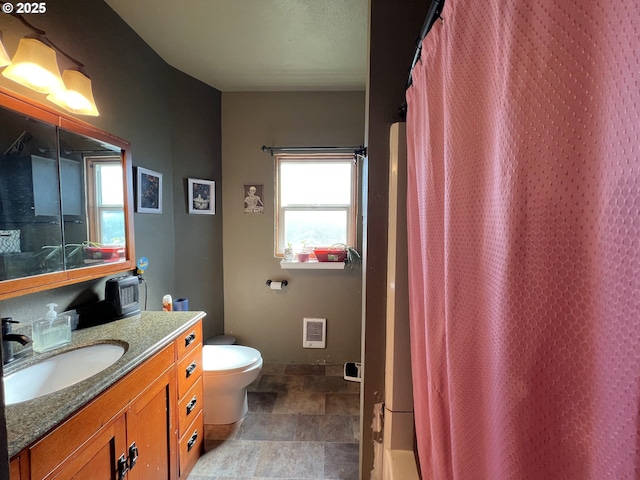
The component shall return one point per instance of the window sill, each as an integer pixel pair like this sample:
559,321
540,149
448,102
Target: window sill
312,265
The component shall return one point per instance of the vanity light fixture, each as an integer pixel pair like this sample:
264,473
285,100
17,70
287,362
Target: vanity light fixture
35,66
78,96
4,58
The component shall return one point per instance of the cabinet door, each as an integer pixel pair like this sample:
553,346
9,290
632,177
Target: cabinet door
19,467
99,458
151,445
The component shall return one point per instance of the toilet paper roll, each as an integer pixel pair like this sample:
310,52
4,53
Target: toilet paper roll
181,305
275,285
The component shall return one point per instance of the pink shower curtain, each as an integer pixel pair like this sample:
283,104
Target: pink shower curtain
523,134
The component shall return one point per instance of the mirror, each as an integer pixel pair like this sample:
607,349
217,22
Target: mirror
65,200
92,201
29,203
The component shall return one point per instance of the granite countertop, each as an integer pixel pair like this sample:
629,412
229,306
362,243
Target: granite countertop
144,336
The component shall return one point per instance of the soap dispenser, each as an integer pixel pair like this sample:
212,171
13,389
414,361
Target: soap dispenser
52,331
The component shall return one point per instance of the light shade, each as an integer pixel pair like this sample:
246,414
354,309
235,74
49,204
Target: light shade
78,95
34,65
4,58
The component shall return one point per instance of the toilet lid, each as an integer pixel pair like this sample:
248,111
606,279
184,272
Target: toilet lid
228,358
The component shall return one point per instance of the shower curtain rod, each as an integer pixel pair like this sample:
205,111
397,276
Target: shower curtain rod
359,150
432,15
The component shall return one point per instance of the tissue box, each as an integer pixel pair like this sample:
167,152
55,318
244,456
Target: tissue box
9,241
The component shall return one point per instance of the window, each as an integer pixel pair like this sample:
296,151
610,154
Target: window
106,210
315,200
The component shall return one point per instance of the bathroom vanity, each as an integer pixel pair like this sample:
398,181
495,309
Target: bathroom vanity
139,418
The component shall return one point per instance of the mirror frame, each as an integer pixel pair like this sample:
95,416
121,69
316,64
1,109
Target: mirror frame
36,283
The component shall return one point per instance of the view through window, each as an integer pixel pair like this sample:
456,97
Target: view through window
107,217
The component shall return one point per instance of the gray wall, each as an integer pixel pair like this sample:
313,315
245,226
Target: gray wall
272,320
198,238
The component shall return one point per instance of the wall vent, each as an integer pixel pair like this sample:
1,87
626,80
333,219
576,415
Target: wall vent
314,333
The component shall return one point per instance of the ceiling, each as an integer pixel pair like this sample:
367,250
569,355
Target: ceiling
257,45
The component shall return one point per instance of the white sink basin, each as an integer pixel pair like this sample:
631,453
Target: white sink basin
60,371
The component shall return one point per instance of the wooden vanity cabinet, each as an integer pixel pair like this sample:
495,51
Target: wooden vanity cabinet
131,431
101,439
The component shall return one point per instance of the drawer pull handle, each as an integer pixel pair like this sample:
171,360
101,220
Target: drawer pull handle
189,339
133,455
192,405
192,441
123,467
191,368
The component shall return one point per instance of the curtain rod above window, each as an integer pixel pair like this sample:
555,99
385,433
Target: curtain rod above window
359,150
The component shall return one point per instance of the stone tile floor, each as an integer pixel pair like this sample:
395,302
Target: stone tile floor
303,423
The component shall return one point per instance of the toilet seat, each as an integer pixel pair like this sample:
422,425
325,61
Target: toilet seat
225,359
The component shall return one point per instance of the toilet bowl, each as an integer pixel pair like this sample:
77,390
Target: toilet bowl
227,371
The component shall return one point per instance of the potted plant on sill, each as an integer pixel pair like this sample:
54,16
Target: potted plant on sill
289,255
353,259
304,253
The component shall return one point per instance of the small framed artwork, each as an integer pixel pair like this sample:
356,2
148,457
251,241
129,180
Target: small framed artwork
202,196
149,191
253,198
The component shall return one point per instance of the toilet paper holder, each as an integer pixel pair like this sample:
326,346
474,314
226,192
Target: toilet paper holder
284,283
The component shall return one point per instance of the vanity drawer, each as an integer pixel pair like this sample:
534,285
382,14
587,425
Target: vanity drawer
191,445
189,370
190,406
188,340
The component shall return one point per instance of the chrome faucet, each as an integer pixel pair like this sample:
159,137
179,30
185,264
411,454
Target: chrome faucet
8,338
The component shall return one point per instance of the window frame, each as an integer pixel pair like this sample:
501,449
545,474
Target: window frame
95,207
351,208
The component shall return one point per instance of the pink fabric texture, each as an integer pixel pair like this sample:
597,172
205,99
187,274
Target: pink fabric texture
523,134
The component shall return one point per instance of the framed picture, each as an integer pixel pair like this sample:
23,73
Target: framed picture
202,196
149,191
253,198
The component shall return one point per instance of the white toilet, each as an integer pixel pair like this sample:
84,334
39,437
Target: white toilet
227,371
